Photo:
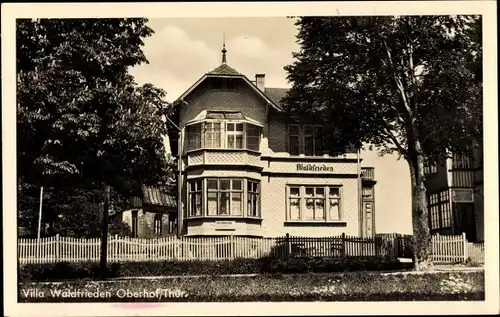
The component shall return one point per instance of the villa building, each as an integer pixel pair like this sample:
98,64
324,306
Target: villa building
455,195
248,169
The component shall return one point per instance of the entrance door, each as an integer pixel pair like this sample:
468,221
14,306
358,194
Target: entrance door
368,218
464,220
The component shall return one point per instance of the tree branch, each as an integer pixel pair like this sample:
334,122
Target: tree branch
399,84
412,71
394,139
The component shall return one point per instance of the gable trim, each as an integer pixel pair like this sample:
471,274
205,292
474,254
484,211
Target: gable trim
257,90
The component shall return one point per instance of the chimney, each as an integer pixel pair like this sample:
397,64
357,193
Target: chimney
260,81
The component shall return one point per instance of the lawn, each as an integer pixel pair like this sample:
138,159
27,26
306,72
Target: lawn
352,286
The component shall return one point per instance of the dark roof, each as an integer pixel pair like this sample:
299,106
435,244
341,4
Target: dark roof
158,197
276,94
225,115
224,69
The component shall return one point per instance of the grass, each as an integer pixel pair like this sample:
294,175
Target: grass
358,286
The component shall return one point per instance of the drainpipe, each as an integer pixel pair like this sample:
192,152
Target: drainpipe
360,196
179,178
179,186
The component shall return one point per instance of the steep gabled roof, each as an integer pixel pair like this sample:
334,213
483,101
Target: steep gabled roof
276,94
224,69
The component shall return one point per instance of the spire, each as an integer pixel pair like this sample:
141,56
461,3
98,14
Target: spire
224,48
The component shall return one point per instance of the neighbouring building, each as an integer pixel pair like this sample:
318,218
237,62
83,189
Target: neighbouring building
455,195
248,169
153,214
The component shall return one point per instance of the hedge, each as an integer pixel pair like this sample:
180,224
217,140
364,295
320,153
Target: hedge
79,270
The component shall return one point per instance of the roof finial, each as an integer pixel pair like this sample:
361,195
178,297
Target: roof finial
224,48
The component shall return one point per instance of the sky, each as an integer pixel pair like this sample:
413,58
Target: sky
182,50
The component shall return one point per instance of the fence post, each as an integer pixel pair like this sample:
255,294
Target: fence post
395,245
288,245
464,241
342,251
57,247
231,247
114,253
378,246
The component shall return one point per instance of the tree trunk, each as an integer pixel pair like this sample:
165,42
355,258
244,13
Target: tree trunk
421,235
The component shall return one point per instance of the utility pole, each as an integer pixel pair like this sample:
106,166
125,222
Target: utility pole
104,233
39,223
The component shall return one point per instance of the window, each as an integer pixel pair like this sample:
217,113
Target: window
367,192
195,197
212,135
462,160
439,210
314,203
295,203
234,135
223,134
334,205
430,166
158,223
293,139
224,197
253,198
194,136
309,136
253,137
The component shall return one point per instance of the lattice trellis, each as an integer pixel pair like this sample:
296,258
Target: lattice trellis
253,159
196,158
225,157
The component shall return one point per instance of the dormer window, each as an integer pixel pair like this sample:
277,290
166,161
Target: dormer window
223,130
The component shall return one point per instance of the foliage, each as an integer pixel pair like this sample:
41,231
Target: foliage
83,122
405,84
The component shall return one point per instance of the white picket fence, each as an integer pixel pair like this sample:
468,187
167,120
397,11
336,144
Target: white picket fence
445,249
120,249
456,249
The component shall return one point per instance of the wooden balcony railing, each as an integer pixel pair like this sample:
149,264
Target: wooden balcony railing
368,173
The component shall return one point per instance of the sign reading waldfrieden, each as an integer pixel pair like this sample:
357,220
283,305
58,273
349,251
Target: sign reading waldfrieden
314,168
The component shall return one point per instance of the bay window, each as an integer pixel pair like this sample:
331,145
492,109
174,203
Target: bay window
224,197
314,203
223,134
